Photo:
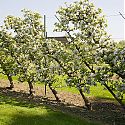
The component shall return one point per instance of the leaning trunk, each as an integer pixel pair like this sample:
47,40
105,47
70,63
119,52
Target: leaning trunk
113,94
87,103
54,92
30,88
11,81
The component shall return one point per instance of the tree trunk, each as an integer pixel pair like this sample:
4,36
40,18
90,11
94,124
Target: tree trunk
11,82
87,103
108,88
118,100
54,92
30,88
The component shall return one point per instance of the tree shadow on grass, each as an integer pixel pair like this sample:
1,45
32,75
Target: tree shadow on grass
51,118
105,112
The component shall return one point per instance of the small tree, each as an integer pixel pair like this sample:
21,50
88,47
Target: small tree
27,33
8,64
46,71
68,65
85,28
49,65
112,59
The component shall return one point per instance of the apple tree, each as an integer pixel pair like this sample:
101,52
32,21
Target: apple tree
8,64
112,72
27,33
86,33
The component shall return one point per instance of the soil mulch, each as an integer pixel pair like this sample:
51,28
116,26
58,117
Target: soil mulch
104,111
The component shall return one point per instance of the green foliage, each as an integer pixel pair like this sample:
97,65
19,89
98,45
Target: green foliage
28,33
120,44
7,63
113,57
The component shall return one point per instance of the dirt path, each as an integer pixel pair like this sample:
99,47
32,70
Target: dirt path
104,111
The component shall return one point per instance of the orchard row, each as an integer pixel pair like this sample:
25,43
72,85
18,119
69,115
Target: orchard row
88,58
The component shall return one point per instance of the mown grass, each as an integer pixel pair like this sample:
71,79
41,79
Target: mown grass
13,112
5,77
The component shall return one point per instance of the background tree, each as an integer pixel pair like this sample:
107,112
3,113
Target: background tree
27,33
8,64
112,71
51,63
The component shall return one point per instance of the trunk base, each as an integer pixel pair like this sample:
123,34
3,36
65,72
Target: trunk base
10,87
54,93
11,82
31,91
89,106
87,103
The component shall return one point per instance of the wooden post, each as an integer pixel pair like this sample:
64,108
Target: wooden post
45,26
45,36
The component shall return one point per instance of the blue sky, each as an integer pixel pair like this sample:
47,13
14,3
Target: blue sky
111,9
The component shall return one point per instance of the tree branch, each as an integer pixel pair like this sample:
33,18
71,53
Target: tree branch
122,15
